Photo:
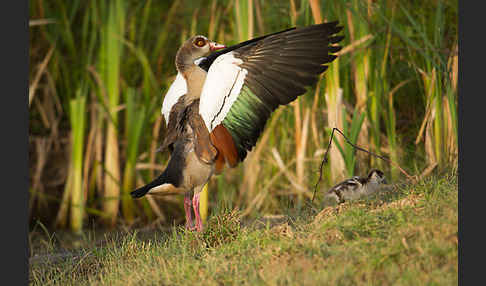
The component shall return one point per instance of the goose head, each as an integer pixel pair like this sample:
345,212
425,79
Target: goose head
196,47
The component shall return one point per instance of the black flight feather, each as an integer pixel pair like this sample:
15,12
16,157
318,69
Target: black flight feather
280,68
206,62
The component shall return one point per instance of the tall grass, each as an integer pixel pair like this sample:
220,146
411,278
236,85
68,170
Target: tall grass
357,20
78,119
393,89
134,123
110,56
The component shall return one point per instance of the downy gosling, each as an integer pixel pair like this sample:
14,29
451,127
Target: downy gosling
355,188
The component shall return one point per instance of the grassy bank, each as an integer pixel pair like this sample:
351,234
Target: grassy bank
405,236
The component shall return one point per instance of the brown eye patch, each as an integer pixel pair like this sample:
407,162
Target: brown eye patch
200,42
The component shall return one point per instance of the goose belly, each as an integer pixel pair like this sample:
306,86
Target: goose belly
196,172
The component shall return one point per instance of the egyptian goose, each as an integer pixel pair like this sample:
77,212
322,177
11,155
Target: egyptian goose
355,188
218,105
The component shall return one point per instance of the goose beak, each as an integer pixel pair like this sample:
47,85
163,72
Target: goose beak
213,46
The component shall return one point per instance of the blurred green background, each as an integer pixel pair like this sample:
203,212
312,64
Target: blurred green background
99,71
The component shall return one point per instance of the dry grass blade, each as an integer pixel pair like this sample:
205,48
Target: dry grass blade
334,95
316,11
450,142
354,45
434,125
41,108
429,107
428,170
300,167
251,22
40,71
297,129
314,111
62,213
43,148
150,166
429,138
454,63
90,154
155,208
292,179
293,12
40,22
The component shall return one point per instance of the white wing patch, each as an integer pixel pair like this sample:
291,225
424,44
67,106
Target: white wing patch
177,89
221,88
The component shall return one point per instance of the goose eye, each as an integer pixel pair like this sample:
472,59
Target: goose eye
200,42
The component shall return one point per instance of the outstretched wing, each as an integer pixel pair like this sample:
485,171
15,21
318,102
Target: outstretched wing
178,88
244,86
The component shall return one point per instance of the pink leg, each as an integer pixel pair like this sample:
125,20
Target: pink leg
195,205
187,208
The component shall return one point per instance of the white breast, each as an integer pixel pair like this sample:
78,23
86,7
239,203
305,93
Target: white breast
177,89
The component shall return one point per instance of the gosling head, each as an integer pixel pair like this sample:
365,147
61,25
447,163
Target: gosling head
376,176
